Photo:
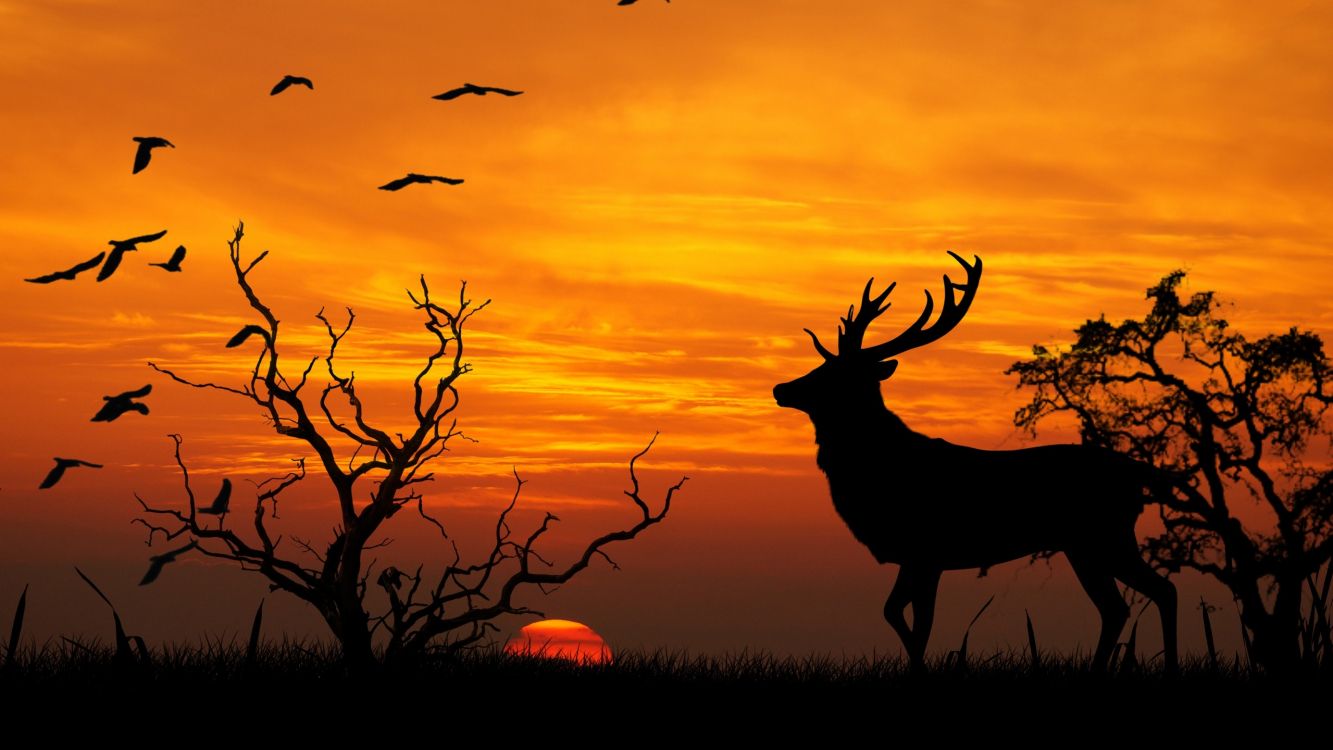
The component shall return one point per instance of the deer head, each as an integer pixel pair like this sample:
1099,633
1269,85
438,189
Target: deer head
846,379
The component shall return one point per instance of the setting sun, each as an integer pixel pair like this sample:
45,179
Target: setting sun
560,639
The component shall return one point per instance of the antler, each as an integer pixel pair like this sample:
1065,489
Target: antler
849,340
918,334
853,327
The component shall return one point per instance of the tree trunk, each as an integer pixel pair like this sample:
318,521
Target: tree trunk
358,656
1275,636
349,626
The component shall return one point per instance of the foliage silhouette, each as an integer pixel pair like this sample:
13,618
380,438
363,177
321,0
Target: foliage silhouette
1235,421
929,505
454,610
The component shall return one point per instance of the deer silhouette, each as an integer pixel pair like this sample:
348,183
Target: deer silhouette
929,505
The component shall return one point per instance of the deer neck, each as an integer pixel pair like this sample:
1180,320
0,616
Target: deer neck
860,440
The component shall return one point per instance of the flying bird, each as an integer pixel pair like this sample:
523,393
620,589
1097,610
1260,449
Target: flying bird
118,250
245,333
413,177
288,81
173,265
157,562
145,150
118,405
59,471
222,502
69,273
472,88
631,2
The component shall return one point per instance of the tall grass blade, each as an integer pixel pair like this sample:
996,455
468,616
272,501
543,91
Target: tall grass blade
124,652
252,649
90,583
962,648
16,630
1032,641
1130,661
1249,645
1208,632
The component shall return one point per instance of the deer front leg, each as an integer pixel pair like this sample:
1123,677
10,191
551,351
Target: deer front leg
916,587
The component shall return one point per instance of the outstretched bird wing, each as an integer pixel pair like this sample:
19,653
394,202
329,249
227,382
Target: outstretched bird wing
53,476
69,273
59,470
157,562
281,86
142,155
503,92
446,180
144,391
174,263
453,93
112,263
399,183
222,501
245,333
145,238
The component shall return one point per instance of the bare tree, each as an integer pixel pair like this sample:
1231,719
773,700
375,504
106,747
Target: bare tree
448,609
1237,422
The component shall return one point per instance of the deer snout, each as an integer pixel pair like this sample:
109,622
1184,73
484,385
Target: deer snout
782,394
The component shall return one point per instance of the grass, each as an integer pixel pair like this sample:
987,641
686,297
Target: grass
177,678
290,687
68,662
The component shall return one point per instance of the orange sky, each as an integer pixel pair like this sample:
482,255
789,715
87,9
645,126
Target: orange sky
682,188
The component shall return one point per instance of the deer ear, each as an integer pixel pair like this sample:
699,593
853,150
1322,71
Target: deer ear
884,370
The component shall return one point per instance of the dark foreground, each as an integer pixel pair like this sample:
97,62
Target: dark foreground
293,668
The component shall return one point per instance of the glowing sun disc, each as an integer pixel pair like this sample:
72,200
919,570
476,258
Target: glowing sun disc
560,639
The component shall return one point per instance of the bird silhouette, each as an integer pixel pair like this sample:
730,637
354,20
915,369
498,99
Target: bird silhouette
631,2
56,473
413,177
222,502
118,405
118,250
472,88
145,151
173,265
245,333
69,273
290,80
157,562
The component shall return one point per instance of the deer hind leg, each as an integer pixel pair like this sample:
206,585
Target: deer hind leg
1099,583
916,587
1140,576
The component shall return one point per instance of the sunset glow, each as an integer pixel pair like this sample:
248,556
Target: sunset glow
679,191
560,639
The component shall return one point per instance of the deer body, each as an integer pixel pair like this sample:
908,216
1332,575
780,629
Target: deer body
965,519
929,505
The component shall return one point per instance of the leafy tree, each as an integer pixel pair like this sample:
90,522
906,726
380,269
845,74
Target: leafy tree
381,474
1240,428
